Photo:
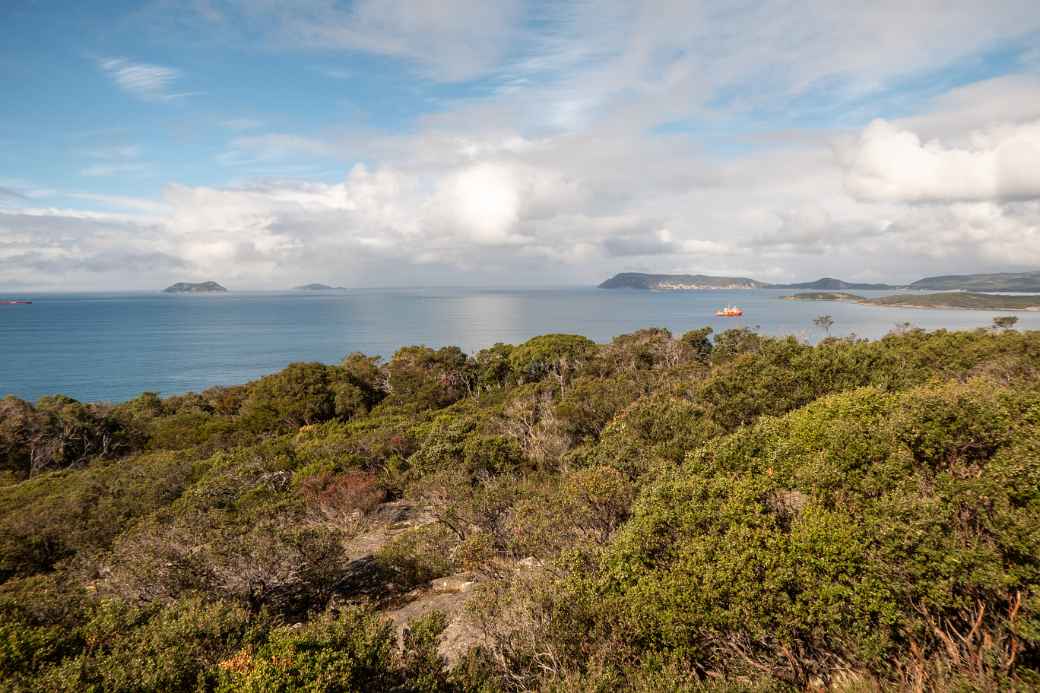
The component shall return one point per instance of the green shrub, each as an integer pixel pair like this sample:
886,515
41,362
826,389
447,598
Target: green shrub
81,511
556,355
419,555
353,651
299,395
485,456
425,378
147,649
826,536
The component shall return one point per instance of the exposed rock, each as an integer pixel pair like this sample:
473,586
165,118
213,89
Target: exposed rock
384,523
448,595
365,578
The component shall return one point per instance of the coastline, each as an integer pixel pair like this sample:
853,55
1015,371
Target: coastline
934,301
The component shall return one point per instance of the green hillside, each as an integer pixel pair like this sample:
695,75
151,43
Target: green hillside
948,299
657,513
1002,281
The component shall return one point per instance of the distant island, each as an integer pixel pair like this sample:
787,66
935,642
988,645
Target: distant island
319,287
831,284
1019,282
951,299
1022,282
194,288
696,282
678,282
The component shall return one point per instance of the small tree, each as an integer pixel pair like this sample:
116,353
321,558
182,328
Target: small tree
825,322
555,355
698,342
1004,322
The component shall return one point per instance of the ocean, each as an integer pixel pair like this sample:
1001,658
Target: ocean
113,346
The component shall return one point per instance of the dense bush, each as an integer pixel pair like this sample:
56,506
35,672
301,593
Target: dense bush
868,532
57,433
295,397
133,649
82,512
555,355
731,512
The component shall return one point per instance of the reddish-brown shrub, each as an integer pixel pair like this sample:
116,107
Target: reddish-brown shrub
343,499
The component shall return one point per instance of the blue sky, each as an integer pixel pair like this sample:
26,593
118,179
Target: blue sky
70,120
487,142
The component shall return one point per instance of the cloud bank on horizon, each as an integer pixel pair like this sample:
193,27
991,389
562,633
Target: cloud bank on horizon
404,142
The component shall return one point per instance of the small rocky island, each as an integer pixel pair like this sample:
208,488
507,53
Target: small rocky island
319,287
195,288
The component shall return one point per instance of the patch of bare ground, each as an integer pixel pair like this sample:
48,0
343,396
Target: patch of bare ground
369,581
365,577
449,596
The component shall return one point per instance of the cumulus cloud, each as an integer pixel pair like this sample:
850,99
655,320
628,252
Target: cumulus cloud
479,216
50,246
814,230
501,220
661,241
889,163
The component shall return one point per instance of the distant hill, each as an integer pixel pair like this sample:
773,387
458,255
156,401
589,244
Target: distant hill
826,296
194,288
687,282
949,299
975,301
678,282
319,287
832,284
1005,281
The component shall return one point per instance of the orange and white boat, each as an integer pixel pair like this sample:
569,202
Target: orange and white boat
729,312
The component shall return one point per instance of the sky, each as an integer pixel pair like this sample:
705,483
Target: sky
265,144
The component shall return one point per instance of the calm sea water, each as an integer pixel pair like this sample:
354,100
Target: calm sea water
114,346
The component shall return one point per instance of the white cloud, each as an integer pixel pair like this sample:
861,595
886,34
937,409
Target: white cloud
271,147
954,115
450,39
483,201
889,163
148,82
